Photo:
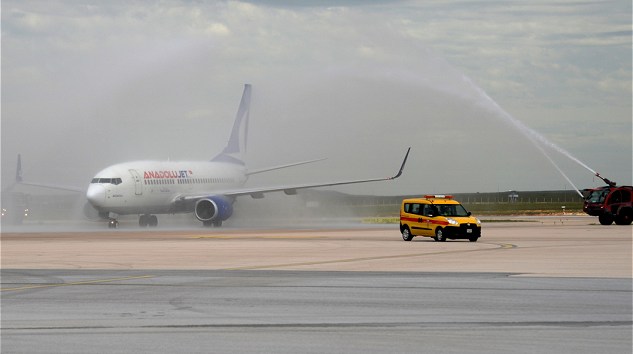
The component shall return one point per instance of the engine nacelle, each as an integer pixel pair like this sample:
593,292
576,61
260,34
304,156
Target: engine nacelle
214,208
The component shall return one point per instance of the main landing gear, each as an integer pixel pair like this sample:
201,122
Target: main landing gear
113,224
212,223
145,220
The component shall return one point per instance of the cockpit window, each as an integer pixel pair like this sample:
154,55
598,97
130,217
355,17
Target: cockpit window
114,181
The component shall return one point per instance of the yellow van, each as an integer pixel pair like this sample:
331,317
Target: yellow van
437,216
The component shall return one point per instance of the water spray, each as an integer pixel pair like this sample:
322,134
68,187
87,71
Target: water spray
559,170
536,138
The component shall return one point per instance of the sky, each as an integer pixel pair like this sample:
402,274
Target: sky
490,95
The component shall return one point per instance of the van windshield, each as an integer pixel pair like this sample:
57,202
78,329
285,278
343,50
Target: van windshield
451,210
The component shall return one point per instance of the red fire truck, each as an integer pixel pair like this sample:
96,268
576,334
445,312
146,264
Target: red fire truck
610,203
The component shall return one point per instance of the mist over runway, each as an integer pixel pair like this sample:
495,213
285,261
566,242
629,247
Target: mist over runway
551,284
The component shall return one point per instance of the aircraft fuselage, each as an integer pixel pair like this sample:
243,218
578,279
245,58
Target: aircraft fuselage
154,187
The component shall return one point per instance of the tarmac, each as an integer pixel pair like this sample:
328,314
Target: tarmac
531,284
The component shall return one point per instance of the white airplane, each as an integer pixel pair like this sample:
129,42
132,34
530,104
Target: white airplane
205,188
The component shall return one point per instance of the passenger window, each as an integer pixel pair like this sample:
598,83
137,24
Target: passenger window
415,209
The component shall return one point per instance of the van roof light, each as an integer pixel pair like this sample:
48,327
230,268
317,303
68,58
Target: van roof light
439,196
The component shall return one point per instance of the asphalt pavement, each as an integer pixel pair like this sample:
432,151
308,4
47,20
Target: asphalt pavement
546,286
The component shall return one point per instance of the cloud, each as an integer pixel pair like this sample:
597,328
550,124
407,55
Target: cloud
520,37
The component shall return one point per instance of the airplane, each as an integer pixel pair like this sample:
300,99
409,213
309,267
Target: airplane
207,189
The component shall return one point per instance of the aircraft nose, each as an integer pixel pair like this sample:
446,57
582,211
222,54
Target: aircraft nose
96,195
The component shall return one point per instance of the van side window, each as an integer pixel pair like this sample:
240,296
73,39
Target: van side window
415,209
428,210
407,206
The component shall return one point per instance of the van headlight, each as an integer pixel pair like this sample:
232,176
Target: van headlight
478,221
452,221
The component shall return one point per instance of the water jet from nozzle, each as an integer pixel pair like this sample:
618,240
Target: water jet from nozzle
536,138
608,182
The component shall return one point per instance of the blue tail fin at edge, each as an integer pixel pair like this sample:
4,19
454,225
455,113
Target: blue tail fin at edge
236,145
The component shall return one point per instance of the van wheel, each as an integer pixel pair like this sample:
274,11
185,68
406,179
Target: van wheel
406,234
439,235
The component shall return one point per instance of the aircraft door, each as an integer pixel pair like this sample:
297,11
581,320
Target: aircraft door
138,184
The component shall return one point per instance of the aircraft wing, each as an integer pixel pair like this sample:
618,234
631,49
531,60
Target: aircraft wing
253,172
52,186
258,192
19,181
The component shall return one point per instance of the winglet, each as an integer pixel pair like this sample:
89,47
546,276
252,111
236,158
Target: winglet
402,166
18,170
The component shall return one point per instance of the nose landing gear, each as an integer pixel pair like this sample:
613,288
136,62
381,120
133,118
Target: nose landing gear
113,224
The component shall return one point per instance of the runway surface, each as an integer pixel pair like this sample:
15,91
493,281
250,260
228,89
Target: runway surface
558,285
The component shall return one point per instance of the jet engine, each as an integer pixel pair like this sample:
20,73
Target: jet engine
213,210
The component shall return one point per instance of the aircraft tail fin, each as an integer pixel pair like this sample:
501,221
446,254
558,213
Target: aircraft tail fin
18,170
236,146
